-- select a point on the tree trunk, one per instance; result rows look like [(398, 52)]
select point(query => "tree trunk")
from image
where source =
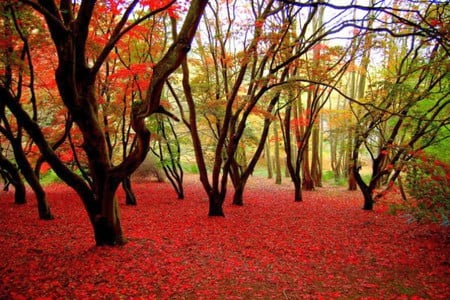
[(13, 177), (368, 198), (308, 182), (366, 189), (297, 189), (130, 198), (268, 161), (239, 193), (107, 227), (316, 164), (33, 181), (352, 184), (215, 204), (276, 159)]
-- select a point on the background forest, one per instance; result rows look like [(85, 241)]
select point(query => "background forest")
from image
[(310, 92)]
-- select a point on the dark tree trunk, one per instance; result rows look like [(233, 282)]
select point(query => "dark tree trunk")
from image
[(130, 198), (215, 209), (238, 183), (297, 189), (215, 204), (33, 181), (366, 189), (239, 193), (106, 223), (368, 198), (11, 174)]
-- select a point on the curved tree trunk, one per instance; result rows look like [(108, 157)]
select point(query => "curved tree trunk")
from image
[(130, 198), (13, 177), (33, 181), (366, 189)]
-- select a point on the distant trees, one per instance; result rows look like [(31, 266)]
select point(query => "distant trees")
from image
[(404, 110)]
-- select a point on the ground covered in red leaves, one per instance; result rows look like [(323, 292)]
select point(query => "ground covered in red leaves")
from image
[(271, 248)]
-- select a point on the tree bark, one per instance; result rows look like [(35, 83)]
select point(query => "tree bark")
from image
[(130, 198), (316, 166), (27, 171), (13, 176), (216, 200), (276, 159), (268, 161), (238, 196)]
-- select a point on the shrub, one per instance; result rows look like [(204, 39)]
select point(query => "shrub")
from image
[(428, 185)]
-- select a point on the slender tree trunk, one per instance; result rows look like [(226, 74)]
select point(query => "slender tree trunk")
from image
[(297, 189), (130, 198), (238, 183), (27, 171), (351, 167), (13, 176), (268, 161), (316, 173), (276, 159)]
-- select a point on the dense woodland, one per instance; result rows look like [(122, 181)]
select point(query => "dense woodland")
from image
[(298, 89)]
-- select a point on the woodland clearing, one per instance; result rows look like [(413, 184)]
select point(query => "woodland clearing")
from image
[(325, 247)]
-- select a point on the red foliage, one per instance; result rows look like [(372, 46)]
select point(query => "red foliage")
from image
[(272, 248)]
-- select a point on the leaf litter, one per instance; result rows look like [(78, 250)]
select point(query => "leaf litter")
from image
[(325, 247)]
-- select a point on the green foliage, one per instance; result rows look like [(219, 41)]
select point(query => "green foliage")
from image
[(428, 184), (330, 178), (49, 177), (190, 167), (440, 150)]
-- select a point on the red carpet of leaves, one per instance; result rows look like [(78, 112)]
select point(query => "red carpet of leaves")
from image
[(271, 248)]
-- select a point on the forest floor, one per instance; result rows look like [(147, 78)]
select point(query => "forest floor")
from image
[(326, 247)]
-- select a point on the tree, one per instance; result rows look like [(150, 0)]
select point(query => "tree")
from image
[(409, 108), (167, 148), (17, 33), (76, 74), (235, 84), (313, 82)]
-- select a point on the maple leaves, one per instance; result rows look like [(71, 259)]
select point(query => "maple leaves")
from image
[(325, 247)]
